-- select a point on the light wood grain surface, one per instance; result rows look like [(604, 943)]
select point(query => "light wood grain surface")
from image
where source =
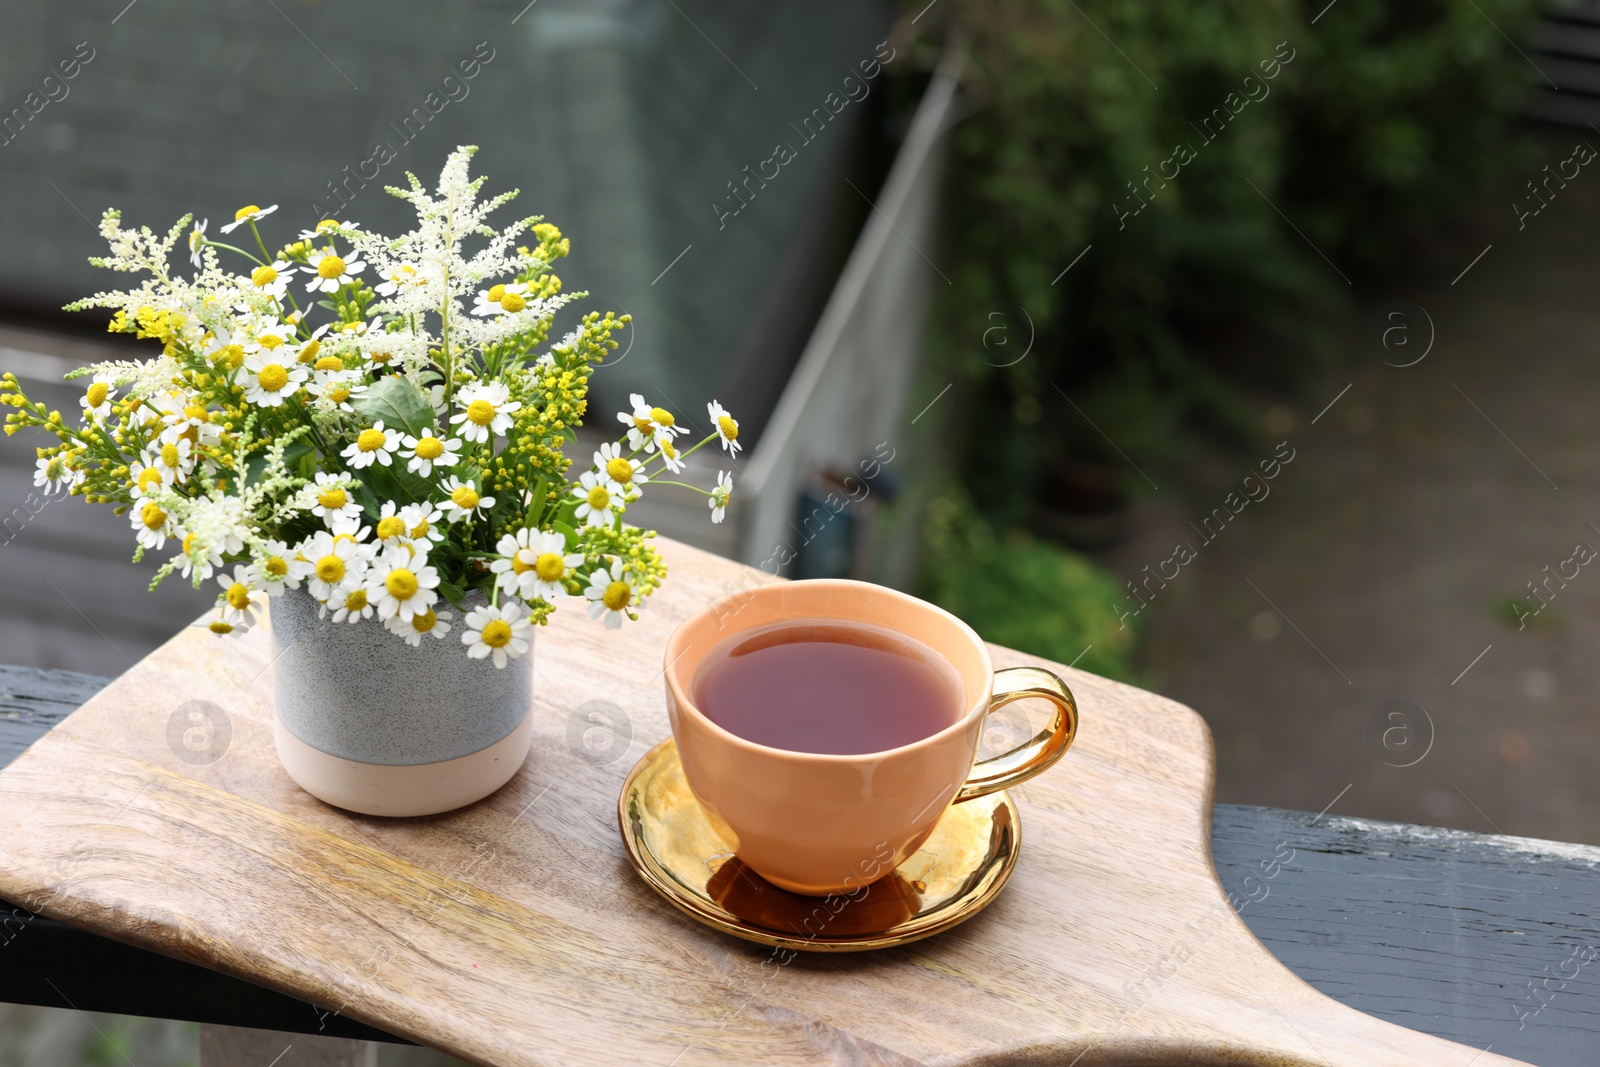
[(514, 932)]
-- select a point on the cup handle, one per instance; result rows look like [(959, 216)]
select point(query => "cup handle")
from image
[(1039, 752)]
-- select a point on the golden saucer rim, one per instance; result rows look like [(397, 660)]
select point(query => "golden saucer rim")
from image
[(691, 905)]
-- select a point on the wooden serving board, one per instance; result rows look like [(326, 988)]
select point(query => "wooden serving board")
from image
[(514, 932)]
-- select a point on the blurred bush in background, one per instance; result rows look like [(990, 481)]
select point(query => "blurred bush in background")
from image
[(1169, 155)]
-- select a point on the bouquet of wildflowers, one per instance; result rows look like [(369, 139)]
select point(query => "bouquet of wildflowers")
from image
[(390, 458)]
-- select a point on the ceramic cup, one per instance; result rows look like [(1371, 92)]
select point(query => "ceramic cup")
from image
[(822, 824)]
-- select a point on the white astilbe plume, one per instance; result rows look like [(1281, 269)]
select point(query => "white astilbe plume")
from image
[(446, 218)]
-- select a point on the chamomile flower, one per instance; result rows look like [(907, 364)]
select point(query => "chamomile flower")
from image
[(613, 595), (55, 472), (152, 524), (329, 497), (502, 633), (404, 276), (597, 501), (196, 559), (144, 478), (720, 495), (538, 564), (399, 585), (96, 400), (247, 215), (189, 419), (648, 426), (329, 271), (267, 381), (274, 568), (420, 624), (174, 459), (272, 278), (727, 427), (222, 627), (391, 528), (422, 523), (486, 410), (641, 430), (197, 240), (336, 563), (669, 456), (372, 445), (241, 596), (501, 300), (334, 388), (622, 475), (326, 226), (464, 501), (350, 603), (427, 452)]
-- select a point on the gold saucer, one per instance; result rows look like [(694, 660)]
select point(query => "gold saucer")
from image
[(953, 876)]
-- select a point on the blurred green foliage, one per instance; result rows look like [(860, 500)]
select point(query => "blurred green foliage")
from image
[(1383, 119), (1023, 592)]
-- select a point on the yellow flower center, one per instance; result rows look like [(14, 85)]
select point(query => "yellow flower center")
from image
[(330, 569), (188, 543), (329, 363), (667, 449), (327, 224), (238, 596), (308, 352), (513, 302), (153, 517), (345, 537), (149, 478), (270, 341), (232, 355), (481, 412), (331, 267), (729, 428), (196, 413), (616, 596), (263, 276), (465, 497), (661, 417), (497, 634), (401, 584), (333, 499), (620, 469), (248, 209), (169, 456), (518, 564), (421, 528), (356, 600), (382, 357), (393, 526), (550, 566), (496, 293), (642, 425), (599, 499), (371, 440), (423, 621), (220, 627), (338, 393), (430, 448), (276, 567), (97, 394), (273, 377)]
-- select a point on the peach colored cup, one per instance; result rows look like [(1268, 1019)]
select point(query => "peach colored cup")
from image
[(820, 824)]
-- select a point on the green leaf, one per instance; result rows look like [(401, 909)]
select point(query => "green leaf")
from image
[(396, 483), (452, 593), (398, 403)]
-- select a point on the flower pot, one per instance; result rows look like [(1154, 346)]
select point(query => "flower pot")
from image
[(368, 723)]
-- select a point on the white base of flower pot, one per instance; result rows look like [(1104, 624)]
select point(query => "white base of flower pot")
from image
[(420, 789)]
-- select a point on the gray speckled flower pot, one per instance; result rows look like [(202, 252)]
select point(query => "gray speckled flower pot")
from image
[(370, 724)]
